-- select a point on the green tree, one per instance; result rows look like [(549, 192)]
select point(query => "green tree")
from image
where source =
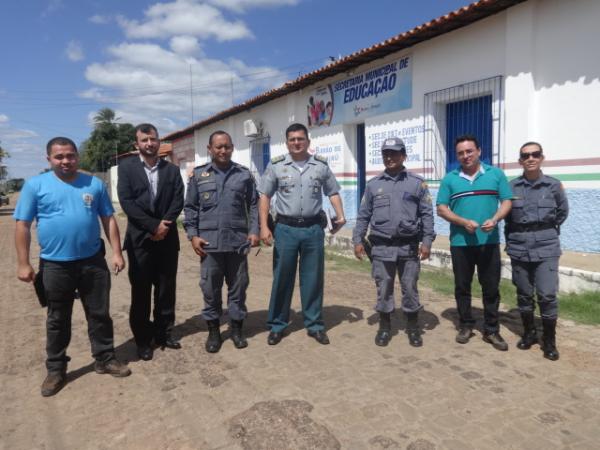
[(3, 170), (107, 140)]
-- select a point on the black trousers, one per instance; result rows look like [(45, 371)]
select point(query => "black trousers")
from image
[(152, 266), (91, 278), (487, 260)]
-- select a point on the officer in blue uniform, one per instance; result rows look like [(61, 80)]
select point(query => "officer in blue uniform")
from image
[(397, 207), (300, 180), (539, 208), (221, 220)]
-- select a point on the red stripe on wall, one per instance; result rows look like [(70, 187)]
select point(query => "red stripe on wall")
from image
[(558, 163)]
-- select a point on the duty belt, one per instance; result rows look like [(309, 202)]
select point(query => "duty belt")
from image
[(521, 228), (300, 222), (395, 241)]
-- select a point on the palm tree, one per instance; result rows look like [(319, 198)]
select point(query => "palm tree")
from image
[(105, 116)]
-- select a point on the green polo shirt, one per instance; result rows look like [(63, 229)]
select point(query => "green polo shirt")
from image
[(475, 200)]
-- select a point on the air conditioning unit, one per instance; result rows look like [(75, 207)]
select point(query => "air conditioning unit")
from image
[(251, 128)]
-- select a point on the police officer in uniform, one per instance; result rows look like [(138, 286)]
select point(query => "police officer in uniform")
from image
[(300, 180), (397, 207), (539, 208), (221, 220)]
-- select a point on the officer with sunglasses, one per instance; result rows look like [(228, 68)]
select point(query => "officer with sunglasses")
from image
[(532, 231)]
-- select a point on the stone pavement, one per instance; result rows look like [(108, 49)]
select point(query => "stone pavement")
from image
[(298, 394)]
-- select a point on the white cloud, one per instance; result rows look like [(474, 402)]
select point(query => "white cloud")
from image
[(149, 83), (244, 5), (52, 7), (74, 51), (185, 45), (184, 17), (99, 19), (27, 156)]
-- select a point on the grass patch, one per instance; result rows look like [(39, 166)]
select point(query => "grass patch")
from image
[(582, 308)]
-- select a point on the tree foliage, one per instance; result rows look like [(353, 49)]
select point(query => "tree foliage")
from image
[(3, 170), (107, 140)]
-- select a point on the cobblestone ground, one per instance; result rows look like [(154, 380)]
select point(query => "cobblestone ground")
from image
[(298, 394)]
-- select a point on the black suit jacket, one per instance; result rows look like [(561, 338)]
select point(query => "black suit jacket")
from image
[(134, 195)]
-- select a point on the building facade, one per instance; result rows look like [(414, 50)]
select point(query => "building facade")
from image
[(506, 71)]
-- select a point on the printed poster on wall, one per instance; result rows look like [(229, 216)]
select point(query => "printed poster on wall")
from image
[(381, 90)]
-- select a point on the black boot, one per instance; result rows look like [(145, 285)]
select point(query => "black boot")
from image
[(530, 336), (412, 329), (385, 330), (236, 334), (213, 343), (549, 339)]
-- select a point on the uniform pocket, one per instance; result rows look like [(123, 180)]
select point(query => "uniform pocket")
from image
[(547, 210), (381, 209), (207, 194)]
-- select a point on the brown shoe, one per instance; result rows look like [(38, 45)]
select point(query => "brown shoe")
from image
[(464, 334), (496, 340), (53, 383), (112, 367)]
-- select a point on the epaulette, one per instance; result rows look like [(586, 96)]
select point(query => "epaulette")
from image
[(321, 158), (276, 159), (240, 166), (414, 175)]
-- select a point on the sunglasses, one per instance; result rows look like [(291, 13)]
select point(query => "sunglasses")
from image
[(535, 155)]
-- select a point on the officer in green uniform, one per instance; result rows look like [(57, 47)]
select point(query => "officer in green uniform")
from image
[(539, 208), (299, 180)]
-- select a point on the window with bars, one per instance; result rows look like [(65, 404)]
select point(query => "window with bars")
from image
[(470, 108), (260, 154)]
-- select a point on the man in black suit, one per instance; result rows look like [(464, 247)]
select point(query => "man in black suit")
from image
[(151, 194)]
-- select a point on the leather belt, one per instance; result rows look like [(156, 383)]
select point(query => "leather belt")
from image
[(521, 228), (300, 222)]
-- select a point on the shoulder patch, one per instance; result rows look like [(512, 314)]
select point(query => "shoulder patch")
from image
[(321, 158), (277, 159)]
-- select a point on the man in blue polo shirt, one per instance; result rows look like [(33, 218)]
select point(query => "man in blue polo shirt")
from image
[(468, 198), (66, 205)]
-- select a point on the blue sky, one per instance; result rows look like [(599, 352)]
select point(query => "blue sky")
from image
[(63, 60)]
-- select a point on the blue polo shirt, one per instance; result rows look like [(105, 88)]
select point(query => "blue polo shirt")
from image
[(475, 200), (68, 228)]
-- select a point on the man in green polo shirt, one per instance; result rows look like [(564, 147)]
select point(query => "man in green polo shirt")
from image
[(474, 198)]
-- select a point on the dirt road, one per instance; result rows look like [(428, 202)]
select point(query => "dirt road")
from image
[(298, 394)]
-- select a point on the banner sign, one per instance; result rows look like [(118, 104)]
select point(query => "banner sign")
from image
[(384, 89)]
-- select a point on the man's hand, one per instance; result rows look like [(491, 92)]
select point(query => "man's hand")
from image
[(359, 251), (338, 223), (254, 240), (424, 252), (471, 226), (25, 273), (118, 262), (266, 236), (198, 245), (161, 231), (489, 225)]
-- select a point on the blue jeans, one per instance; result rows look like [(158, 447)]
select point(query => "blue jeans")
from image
[(91, 278)]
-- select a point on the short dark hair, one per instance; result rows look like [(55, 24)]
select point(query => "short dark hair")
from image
[(59, 140), (218, 133), (296, 127), (145, 128), (466, 137), (526, 144)]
